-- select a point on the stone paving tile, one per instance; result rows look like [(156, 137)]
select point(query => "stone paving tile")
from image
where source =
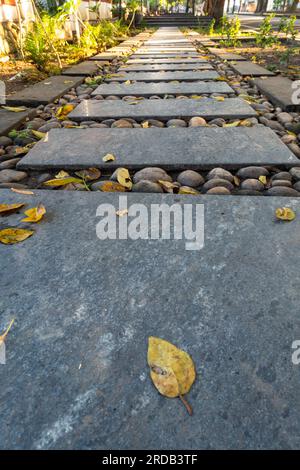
[(79, 352), (246, 68), (45, 91), (162, 67), (224, 55), (180, 148), (162, 109), (10, 120), (167, 61), (86, 68), (280, 91), (163, 76), (162, 88)]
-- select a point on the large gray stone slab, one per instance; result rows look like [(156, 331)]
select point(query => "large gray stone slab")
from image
[(172, 148), (162, 109), (105, 56), (84, 309), (167, 61), (170, 55), (224, 55), (86, 68), (245, 68), (163, 76), (165, 67), (161, 88), (280, 92), (11, 120), (45, 91)]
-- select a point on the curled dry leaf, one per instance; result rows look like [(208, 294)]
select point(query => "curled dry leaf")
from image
[(26, 192), (145, 125), (6, 209), (232, 124), (188, 190), (3, 336), (236, 180), (121, 213), (9, 236), (14, 109), (168, 186), (63, 111), (62, 174), (171, 369), (35, 214), (123, 178), (38, 135), (109, 157), (90, 174), (219, 98), (285, 213)]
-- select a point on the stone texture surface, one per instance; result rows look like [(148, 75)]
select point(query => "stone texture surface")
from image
[(161, 67), (162, 109), (161, 88), (77, 353), (186, 60), (249, 68), (45, 91), (169, 55), (86, 68), (279, 90), (163, 76), (169, 148), (224, 55), (10, 120)]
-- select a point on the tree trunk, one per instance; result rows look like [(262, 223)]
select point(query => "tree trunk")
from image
[(293, 6), (261, 6), (215, 8), (187, 6)]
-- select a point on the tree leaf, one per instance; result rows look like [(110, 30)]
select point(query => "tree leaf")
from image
[(6, 209), (168, 186), (285, 213), (39, 135), (35, 214), (62, 181), (22, 191), (232, 124), (171, 369), (89, 174), (9, 236), (64, 110), (263, 179), (14, 109), (123, 178), (188, 190), (219, 98), (112, 187), (145, 125), (109, 157)]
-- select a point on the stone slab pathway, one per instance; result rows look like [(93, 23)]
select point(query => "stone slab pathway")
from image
[(162, 89), (246, 68), (44, 92), (163, 76), (161, 67), (281, 92), (171, 148), (86, 68), (171, 61), (224, 55), (86, 360), (11, 120), (162, 109)]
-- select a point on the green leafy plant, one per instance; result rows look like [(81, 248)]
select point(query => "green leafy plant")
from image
[(287, 26), (211, 28), (266, 36), (230, 29)]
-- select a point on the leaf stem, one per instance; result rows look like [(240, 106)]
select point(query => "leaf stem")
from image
[(187, 405), (2, 337)]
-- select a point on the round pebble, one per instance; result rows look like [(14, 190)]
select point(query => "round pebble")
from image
[(282, 191), (122, 123), (221, 190), (220, 173), (176, 123), (197, 121), (151, 174), (145, 186), (190, 178), (215, 182), (252, 172), (252, 184)]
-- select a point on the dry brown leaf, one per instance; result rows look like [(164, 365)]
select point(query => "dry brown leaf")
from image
[(14, 109), (109, 157), (123, 178), (112, 187), (11, 235), (6, 209), (35, 214), (89, 174), (263, 179), (285, 213), (171, 369), (62, 181), (188, 190), (121, 213), (22, 191)]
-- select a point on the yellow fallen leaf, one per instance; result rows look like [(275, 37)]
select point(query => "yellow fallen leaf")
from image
[(62, 181), (3, 336), (219, 98), (64, 110), (109, 157), (196, 97), (62, 174), (6, 209), (21, 150), (236, 180), (232, 124), (171, 369), (246, 123), (145, 125), (285, 213), (127, 82), (35, 214), (39, 135), (168, 186), (133, 102), (123, 178), (188, 190), (22, 191), (89, 174), (263, 179), (9, 236), (13, 109)]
